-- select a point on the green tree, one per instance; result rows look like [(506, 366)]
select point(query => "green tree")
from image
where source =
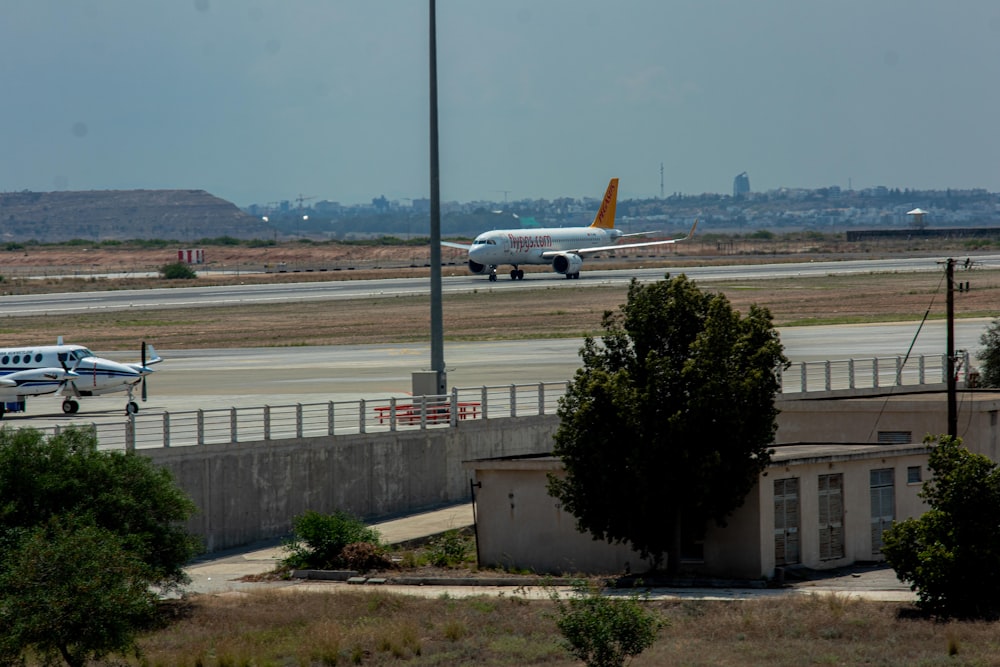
[(66, 475), (84, 535), (605, 632), (951, 554), (668, 422), (72, 590), (177, 271), (990, 355)]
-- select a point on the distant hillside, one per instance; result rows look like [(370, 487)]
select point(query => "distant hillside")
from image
[(103, 215)]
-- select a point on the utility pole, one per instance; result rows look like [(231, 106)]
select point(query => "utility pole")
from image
[(950, 351)]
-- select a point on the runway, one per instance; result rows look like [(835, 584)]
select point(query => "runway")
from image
[(223, 378), (229, 295)]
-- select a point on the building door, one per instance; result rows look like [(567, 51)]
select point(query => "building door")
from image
[(883, 505), (786, 521), (831, 516)]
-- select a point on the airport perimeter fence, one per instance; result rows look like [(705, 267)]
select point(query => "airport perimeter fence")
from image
[(304, 420)]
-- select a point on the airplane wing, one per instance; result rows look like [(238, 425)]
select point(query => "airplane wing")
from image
[(460, 246), (606, 248)]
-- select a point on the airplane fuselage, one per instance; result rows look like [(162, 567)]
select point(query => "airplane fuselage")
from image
[(33, 371), (535, 246)]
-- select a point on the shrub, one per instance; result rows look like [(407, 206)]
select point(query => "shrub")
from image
[(177, 271), (364, 557), (605, 632), (951, 554), (449, 549), (318, 539)]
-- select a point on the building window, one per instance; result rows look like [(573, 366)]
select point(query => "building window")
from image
[(914, 475), (883, 504), (786, 521), (895, 437), (831, 516)]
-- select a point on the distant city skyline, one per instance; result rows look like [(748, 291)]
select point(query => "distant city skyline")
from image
[(259, 101)]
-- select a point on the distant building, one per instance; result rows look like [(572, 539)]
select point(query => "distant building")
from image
[(741, 185)]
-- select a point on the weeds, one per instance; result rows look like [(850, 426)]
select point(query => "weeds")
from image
[(450, 549), (374, 627)]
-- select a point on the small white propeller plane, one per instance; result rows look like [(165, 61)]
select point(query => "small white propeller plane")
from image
[(72, 371), (562, 247)]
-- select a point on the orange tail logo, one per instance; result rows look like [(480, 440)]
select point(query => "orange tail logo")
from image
[(606, 214)]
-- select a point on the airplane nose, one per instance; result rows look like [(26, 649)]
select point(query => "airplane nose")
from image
[(477, 253)]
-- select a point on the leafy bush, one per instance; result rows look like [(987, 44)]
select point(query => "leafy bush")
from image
[(177, 271), (449, 549), (318, 539), (72, 590), (219, 240), (603, 631), (951, 554)]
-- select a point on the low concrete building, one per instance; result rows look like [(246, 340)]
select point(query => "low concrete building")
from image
[(892, 418), (845, 467), (821, 506)]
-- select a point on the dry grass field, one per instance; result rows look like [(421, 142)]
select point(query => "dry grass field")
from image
[(374, 628)]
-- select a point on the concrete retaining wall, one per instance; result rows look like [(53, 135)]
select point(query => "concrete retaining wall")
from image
[(247, 492)]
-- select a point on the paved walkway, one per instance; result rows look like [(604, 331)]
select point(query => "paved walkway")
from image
[(222, 573)]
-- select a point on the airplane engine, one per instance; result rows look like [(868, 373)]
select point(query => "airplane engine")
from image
[(567, 264), (39, 375), (478, 268)]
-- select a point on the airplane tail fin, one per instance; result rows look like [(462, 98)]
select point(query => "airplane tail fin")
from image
[(606, 214)]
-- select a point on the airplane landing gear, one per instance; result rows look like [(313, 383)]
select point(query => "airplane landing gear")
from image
[(493, 274), (131, 407), (517, 274), (70, 407)]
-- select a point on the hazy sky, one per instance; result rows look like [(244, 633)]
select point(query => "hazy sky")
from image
[(263, 100)]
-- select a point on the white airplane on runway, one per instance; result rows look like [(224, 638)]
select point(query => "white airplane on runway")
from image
[(71, 370), (562, 247)]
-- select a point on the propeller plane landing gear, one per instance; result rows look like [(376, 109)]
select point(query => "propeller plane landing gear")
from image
[(70, 407), (131, 407)]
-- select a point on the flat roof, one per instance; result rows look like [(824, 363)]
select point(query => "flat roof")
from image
[(790, 454)]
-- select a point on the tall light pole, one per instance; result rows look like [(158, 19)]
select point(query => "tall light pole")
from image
[(950, 351), (438, 375)]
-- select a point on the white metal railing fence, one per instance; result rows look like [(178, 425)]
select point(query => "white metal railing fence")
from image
[(302, 420), (870, 373)]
